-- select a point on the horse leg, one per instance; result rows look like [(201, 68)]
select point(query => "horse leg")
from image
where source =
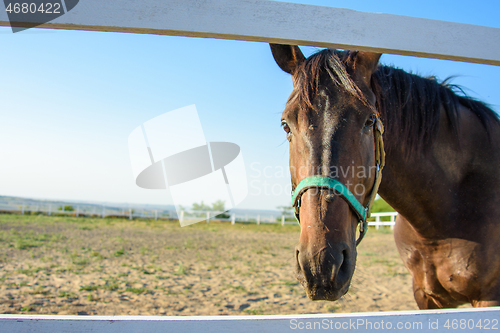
[(423, 300), (426, 301)]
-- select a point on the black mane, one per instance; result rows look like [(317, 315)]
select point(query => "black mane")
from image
[(411, 106)]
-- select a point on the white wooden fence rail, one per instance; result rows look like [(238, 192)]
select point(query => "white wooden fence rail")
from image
[(281, 22), (457, 320)]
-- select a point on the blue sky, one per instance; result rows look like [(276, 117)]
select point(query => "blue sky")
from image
[(70, 99)]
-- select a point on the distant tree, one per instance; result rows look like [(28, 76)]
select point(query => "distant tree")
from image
[(380, 206), (67, 208), (219, 205), (285, 210), (201, 206)]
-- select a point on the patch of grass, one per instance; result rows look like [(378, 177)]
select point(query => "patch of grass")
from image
[(97, 255), (253, 311), (85, 227), (137, 290), (333, 308), (119, 253), (189, 244), (90, 287), (40, 290), (382, 230), (111, 286), (30, 271), (66, 294), (22, 244), (120, 239), (290, 283), (79, 260), (30, 239), (181, 270), (239, 288)]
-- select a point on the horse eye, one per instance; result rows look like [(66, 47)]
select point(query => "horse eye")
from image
[(371, 121), (286, 128)]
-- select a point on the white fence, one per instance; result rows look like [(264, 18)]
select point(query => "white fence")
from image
[(456, 320), (378, 220), (381, 219), (286, 23)]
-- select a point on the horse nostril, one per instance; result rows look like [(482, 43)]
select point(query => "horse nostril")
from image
[(344, 266), (297, 255)]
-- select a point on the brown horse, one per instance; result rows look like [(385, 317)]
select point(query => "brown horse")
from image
[(442, 175)]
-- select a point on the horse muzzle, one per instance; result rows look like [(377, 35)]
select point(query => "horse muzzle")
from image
[(325, 274)]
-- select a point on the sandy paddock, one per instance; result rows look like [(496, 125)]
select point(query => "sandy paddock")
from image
[(62, 265)]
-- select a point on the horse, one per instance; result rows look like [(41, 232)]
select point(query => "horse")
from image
[(348, 115)]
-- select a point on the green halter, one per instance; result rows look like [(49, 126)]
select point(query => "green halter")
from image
[(341, 190)]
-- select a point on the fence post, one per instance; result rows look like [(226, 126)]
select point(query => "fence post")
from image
[(377, 220), (282, 220), (208, 217), (393, 219), (233, 219), (258, 219), (156, 215)]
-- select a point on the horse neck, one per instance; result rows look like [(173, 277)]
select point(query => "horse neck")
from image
[(440, 188), (413, 188)]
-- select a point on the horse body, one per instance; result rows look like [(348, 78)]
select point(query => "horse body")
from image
[(441, 175), (448, 228)]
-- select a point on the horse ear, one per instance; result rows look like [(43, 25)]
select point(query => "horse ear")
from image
[(288, 57), (366, 64)]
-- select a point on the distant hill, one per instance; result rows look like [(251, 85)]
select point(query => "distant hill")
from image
[(89, 205)]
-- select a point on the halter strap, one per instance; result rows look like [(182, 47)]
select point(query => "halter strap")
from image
[(326, 182), (341, 190)]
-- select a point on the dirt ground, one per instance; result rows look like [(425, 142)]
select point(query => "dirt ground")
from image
[(85, 266)]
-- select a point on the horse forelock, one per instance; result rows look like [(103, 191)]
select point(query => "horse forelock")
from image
[(308, 76)]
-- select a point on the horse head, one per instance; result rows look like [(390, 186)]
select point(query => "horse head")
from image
[(331, 123)]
